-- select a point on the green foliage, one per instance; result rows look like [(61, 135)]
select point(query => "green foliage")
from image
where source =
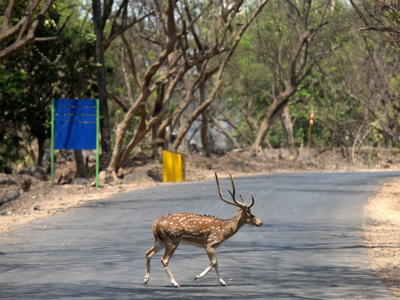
[(41, 72), (64, 69), (395, 16), (12, 115), (254, 75)]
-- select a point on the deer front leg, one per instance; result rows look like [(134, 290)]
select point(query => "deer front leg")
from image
[(204, 273), (169, 251), (214, 263), (158, 245)]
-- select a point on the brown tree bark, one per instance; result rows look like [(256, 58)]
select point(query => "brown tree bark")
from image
[(101, 86), (225, 132), (204, 123), (217, 81), (80, 164), (249, 120), (41, 139), (148, 86), (373, 110), (24, 24), (204, 134), (253, 125), (232, 123), (288, 126), (191, 137), (339, 136), (156, 110), (290, 74), (188, 98), (177, 67), (118, 158), (274, 110)]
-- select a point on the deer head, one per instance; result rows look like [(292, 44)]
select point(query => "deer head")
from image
[(247, 216)]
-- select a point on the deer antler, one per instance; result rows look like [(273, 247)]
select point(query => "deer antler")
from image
[(252, 200), (235, 202)]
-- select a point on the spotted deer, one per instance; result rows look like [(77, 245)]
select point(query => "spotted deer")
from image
[(198, 230)]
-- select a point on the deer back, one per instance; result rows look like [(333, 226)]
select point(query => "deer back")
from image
[(199, 229)]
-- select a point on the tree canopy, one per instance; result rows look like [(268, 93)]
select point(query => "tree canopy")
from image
[(173, 69)]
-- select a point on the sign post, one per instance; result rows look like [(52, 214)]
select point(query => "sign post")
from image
[(309, 128), (75, 125), (173, 166)]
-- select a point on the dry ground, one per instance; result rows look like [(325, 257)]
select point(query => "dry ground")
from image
[(382, 234), (382, 226)]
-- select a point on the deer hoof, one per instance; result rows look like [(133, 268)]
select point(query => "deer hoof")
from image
[(222, 282), (196, 277), (146, 279), (176, 285)]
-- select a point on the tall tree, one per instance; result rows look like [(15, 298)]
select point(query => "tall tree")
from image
[(174, 55), (101, 86), (233, 41), (290, 54)]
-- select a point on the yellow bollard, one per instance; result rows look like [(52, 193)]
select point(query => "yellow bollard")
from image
[(173, 166)]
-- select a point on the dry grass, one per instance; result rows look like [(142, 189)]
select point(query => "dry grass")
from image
[(382, 234)]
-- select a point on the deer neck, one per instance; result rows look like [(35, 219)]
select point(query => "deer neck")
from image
[(233, 225)]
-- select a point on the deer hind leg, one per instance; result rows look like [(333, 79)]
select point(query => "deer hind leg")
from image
[(214, 263), (158, 245), (169, 251)]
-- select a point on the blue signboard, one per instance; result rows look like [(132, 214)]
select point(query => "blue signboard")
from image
[(75, 125)]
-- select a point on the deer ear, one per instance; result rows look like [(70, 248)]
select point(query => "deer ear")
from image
[(241, 209)]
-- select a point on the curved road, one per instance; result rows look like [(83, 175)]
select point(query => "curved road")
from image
[(310, 246)]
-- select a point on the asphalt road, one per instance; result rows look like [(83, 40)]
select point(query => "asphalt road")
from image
[(310, 246)]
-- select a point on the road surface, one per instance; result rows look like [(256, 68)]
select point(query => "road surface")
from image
[(310, 246)]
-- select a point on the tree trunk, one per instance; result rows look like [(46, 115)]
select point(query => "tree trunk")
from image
[(341, 139), (41, 138), (204, 123), (288, 126), (266, 140), (274, 110), (193, 116), (253, 126), (225, 132), (204, 134), (101, 85), (187, 100), (191, 137), (217, 81), (388, 140), (80, 164), (156, 142), (232, 123), (250, 121)]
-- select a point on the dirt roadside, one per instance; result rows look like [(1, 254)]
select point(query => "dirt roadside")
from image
[(382, 234)]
